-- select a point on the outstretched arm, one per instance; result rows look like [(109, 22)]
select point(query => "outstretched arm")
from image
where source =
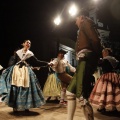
[(33, 61)]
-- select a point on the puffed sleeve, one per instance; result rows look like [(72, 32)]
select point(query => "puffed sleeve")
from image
[(72, 69), (54, 64)]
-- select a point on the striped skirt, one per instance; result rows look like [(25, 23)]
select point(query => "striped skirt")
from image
[(106, 92)]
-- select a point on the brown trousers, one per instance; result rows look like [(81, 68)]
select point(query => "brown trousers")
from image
[(65, 79)]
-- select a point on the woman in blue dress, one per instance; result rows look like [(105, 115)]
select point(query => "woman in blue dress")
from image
[(19, 86)]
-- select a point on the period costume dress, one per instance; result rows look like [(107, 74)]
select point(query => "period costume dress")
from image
[(62, 70), (19, 86), (52, 87), (106, 92)]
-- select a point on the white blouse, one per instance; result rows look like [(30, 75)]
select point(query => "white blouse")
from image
[(59, 65)]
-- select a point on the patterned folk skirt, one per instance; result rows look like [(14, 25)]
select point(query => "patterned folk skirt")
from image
[(106, 92), (20, 97), (52, 87)]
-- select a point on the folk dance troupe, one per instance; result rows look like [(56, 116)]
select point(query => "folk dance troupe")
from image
[(19, 86), (21, 90)]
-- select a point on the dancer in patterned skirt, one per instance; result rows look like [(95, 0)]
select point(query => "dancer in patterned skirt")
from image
[(106, 93), (19, 86)]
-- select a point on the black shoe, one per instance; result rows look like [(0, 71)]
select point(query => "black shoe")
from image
[(101, 110), (48, 99), (15, 110), (26, 110)]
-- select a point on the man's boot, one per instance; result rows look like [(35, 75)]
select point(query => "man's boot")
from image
[(88, 111)]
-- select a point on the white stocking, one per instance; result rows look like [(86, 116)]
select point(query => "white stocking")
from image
[(71, 105), (63, 93)]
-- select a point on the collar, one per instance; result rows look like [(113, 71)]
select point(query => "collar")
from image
[(23, 56)]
